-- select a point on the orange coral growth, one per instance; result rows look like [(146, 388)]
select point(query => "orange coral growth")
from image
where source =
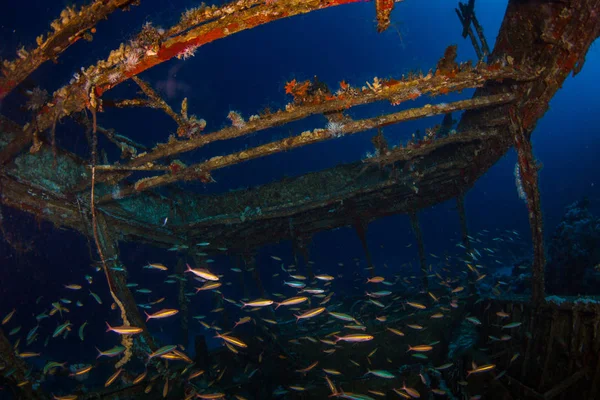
[(302, 89), (389, 82), (289, 86), (297, 89)]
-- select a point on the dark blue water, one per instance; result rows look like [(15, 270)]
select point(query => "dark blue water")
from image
[(247, 73)]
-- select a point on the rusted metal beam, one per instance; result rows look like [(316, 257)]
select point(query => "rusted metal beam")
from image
[(396, 90), (564, 385), (349, 181), (69, 28), (383, 9), (566, 34), (117, 282), (484, 45), (469, 32), (529, 392), (16, 145), (466, 15), (150, 48), (529, 178), (321, 200), (202, 171), (64, 212)]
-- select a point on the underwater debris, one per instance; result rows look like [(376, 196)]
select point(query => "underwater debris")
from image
[(394, 89), (71, 26), (466, 16), (307, 92), (353, 187), (202, 171), (219, 22), (383, 9), (187, 126), (528, 172)]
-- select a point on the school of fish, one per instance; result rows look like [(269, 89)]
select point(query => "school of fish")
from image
[(344, 342)]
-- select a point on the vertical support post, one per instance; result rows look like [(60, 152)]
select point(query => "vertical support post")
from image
[(108, 250), (554, 322), (414, 222), (534, 321), (466, 15), (471, 34), (361, 230), (528, 172), (460, 205), (383, 9), (183, 302), (484, 45), (117, 282)]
